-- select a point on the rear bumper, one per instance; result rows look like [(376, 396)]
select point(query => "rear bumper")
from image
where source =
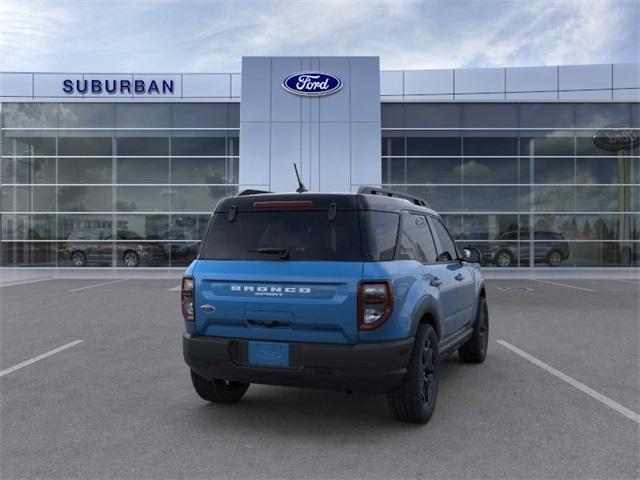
[(371, 367)]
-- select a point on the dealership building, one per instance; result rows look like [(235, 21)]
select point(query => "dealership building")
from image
[(535, 166)]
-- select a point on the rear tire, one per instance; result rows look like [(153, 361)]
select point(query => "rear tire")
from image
[(475, 350), (503, 258), (218, 391), (554, 259), (78, 259), (415, 400)]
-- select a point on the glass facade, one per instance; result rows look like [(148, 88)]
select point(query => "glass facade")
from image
[(133, 184), (524, 183), (112, 184)]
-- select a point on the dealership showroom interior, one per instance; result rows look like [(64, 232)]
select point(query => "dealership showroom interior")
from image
[(348, 239)]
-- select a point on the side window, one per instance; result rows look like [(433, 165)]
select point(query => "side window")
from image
[(384, 232), (447, 251), (416, 242)]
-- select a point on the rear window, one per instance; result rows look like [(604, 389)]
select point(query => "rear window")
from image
[(305, 235)]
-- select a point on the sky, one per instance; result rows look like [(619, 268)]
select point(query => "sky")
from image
[(211, 36)]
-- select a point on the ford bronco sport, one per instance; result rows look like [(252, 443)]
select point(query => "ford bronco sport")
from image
[(357, 292)]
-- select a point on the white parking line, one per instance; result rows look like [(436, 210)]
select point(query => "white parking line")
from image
[(39, 357), (632, 282), (575, 383), (97, 285), (25, 282), (564, 285), (174, 289)]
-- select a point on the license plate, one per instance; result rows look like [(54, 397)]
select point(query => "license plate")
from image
[(269, 354)]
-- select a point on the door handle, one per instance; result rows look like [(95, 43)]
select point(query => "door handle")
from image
[(436, 282), (459, 277)]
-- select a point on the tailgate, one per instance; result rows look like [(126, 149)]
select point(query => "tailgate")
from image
[(297, 301)]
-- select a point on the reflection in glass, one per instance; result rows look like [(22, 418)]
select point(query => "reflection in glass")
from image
[(144, 199), (25, 198), (84, 146), (198, 199), (143, 170), (28, 227), (84, 170), (84, 199), (553, 170), (433, 170), (201, 170), (490, 170), (70, 225)]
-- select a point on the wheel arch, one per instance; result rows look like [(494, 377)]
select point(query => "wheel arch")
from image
[(428, 314)]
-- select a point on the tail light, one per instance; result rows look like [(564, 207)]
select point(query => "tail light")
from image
[(186, 299), (375, 304)]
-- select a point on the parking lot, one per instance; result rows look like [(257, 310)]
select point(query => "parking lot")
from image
[(558, 396)]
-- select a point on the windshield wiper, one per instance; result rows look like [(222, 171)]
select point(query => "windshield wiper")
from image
[(282, 252)]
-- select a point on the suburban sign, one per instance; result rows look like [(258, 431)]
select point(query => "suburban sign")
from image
[(616, 138), (312, 84), (121, 86)]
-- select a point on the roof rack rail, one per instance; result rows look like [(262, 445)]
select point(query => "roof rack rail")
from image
[(251, 191), (391, 193)]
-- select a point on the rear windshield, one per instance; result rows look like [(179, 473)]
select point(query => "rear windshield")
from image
[(304, 235)]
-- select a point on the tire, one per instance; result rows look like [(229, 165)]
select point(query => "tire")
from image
[(130, 259), (218, 391), (475, 350), (503, 258), (78, 259), (415, 400), (554, 259)]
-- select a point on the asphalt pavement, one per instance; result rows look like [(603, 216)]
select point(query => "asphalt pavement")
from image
[(114, 399)]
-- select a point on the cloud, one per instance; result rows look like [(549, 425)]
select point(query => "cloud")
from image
[(195, 35)]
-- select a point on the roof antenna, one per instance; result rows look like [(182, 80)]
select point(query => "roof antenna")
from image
[(301, 188)]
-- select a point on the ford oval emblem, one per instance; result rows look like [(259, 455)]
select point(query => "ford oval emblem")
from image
[(312, 84)]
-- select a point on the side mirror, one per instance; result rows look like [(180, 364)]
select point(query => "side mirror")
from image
[(472, 255)]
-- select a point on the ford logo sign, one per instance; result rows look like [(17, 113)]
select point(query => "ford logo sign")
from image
[(617, 137), (312, 84)]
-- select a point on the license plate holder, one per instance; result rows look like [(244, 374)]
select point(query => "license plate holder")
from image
[(269, 354)]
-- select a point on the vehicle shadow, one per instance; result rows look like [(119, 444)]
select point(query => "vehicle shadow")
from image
[(301, 412)]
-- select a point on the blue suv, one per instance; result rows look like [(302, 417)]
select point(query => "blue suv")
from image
[(357, 292)]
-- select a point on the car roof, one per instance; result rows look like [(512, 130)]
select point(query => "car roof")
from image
[(321, 201)]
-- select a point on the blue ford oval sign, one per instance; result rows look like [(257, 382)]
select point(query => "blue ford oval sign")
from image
[(312, 84)]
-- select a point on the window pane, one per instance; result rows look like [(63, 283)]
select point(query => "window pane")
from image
[(392, 115), (393, 170), (27, 199), (490, 170), (548, 146), (434, 146), (29, 254), (489, 227), (425, 115), (447, 247), (32, 146), (30, 115), (144, 199), (490, 115), (188, 227), (85, 115), (28, 227), (602, 199), (442, 199), (392, 146), (550, 199), (553, 170), (434, 170), (198, 146), (84, 226), (84, 170), (143, 170), (489, 146), (200, 170), (28, 170), (599, 115), (495, 199), (545, 115), (200, 115), (147, 227), (198, 199), (143, 115), (85, 146), (603, 170), (143, 146), (383, 227), (84, 199)]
